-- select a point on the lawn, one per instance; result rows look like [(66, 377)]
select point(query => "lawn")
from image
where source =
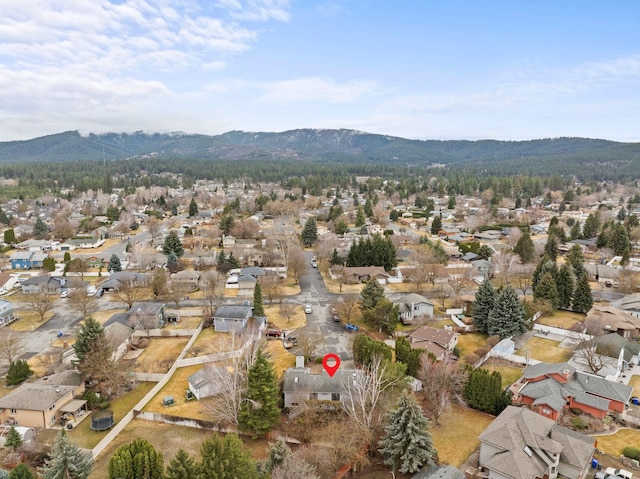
[(210, 341), (275, 317), (103, 316), (545, 350), (634, 382), (167, 439), (279, 357), (158, 355), (334, 287), (86, 438), (455, 437), (614, 443), (29, 320), (468, 343), (510, 374), (561, 319)]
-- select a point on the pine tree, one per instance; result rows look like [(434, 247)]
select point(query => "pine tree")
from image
[(525, 248), (40, 229), (21, 471), (258, 309), (67, 257), (336, 259), (49, 263), (576, 259), (368, 208), (309, 232), (225, 458), (507, 316), (4, 219), (384, 315), (365, 349), (485, 252), (582, 297), (114, 264), (371, 293), (591, 226), (436, 224), (545, 265), (551, 248), (407, 445), (565, 285), (136, 459), (91, 332), (182, 466), (67, 461), (172, 262), (10, 236), (259, 411), (484, 391), (360, 218), (547, 290), (485, 300), (14, 439), (172, 243), (193, 207), (575, 231), (278, 452), (407, 355), (19, 371), (4, 474)]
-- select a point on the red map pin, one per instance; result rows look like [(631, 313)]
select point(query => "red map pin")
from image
[(331, 368)]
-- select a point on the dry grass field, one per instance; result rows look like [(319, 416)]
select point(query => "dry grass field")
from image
[(168, 439), (468, 343), (275, 317), (510, 374), (158, 355), (634, 382), (209, 342), (455, 437), (29, 320), (545, 350), (561, 319), (279, 356), (614, 443)]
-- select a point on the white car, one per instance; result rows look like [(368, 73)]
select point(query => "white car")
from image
[(64, 294), (314, 263), (307, 309)]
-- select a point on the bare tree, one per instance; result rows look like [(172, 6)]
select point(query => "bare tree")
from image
[(40, 303), (128, 293), (231, 377), (288, 310), (10, 344), (366, 394), (141, 257), (212, 285), (457, 282), (347, 306), (294, 467), (270, 285), (81, 302), (425, 270), (49, 362), (176, 292), (524, 280), (444, 382), (308, 344), (505, 262), (589, 352), (153, 226), (99, 366), (297, 265)]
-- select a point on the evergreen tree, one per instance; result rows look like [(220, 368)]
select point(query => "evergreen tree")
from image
[(336, 259), (309, 232), (113, 213), (40, 229), (620, 243), (226, 223), (368, 208), (591, 226), (551, 248), (507, 316), (575, 231), (485, 300), (14, 439), (10, 236), (172, 243), (278, 452), (341, 227), (360, 217), (182, 466), (407, 445), (258, 309), (91, 333), (193, 208), (114, 264), (259, 411), (371, 293), (484, 391), (409, 356), (545, 265), (49, 263), (19, 371), (582, 297), (436, 224), (365, 349), (4, 219), (67, 257), (172, 262), (224, 458), (384, 315), (565, 285), (394, 215), (4, 474), (525, 247), (136, 459), (576, 259), (452, 202), (67, 461), (21, 471), (547, 290), (485, 252)]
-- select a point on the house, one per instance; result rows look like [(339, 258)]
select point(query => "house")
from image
[(362, 274), (119, 336), (300, 386), (629, 303), (203, 384), (147, 315), (231, 318), (246, 282), (21, 260), (42, 403), (46, 284), (412, 306), (121, 279), (550, 388), (519, 444), (438, 342), (602, 273), (7, 310), (188, 280), (609, 319)]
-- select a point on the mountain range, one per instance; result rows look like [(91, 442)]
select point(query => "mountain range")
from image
[(510, 157)]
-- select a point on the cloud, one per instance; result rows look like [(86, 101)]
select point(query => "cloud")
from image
[(257, 10), (317, 89)]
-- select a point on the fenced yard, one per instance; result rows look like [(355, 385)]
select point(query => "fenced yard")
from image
[(468, 343), (545, 350), (158, 355), (510, 374), (561, 319)]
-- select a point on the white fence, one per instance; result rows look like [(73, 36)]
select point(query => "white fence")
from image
[(549, 330)]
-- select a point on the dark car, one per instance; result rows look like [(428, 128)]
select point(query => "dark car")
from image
[(273, 333)]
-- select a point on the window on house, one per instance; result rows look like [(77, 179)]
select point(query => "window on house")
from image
[(14, 411), (313, 396), (335, 396)]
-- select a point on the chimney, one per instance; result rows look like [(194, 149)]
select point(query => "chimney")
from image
[(300, 362)]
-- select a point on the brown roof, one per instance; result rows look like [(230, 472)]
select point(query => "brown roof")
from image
[(612, 318), (35, 397)]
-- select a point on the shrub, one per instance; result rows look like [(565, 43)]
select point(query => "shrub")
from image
[(631, 452), (482, 351), (578, 423), (492, 341)]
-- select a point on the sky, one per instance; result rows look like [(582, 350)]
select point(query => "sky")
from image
[(419, 69)]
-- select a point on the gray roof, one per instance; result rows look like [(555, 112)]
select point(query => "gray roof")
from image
[(523, 437), (544, 369), (233, 312), (35, 396), (439, 472), (69, 377), (299, 379), (415, 298)]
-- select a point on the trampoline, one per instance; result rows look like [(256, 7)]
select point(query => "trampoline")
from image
[(102, 420)]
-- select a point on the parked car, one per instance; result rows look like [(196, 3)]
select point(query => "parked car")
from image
[(603, 475), (307, 309), (624, 474), (289, 342), (351, 327), (314, 262), (64, 294), (273, 333)]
